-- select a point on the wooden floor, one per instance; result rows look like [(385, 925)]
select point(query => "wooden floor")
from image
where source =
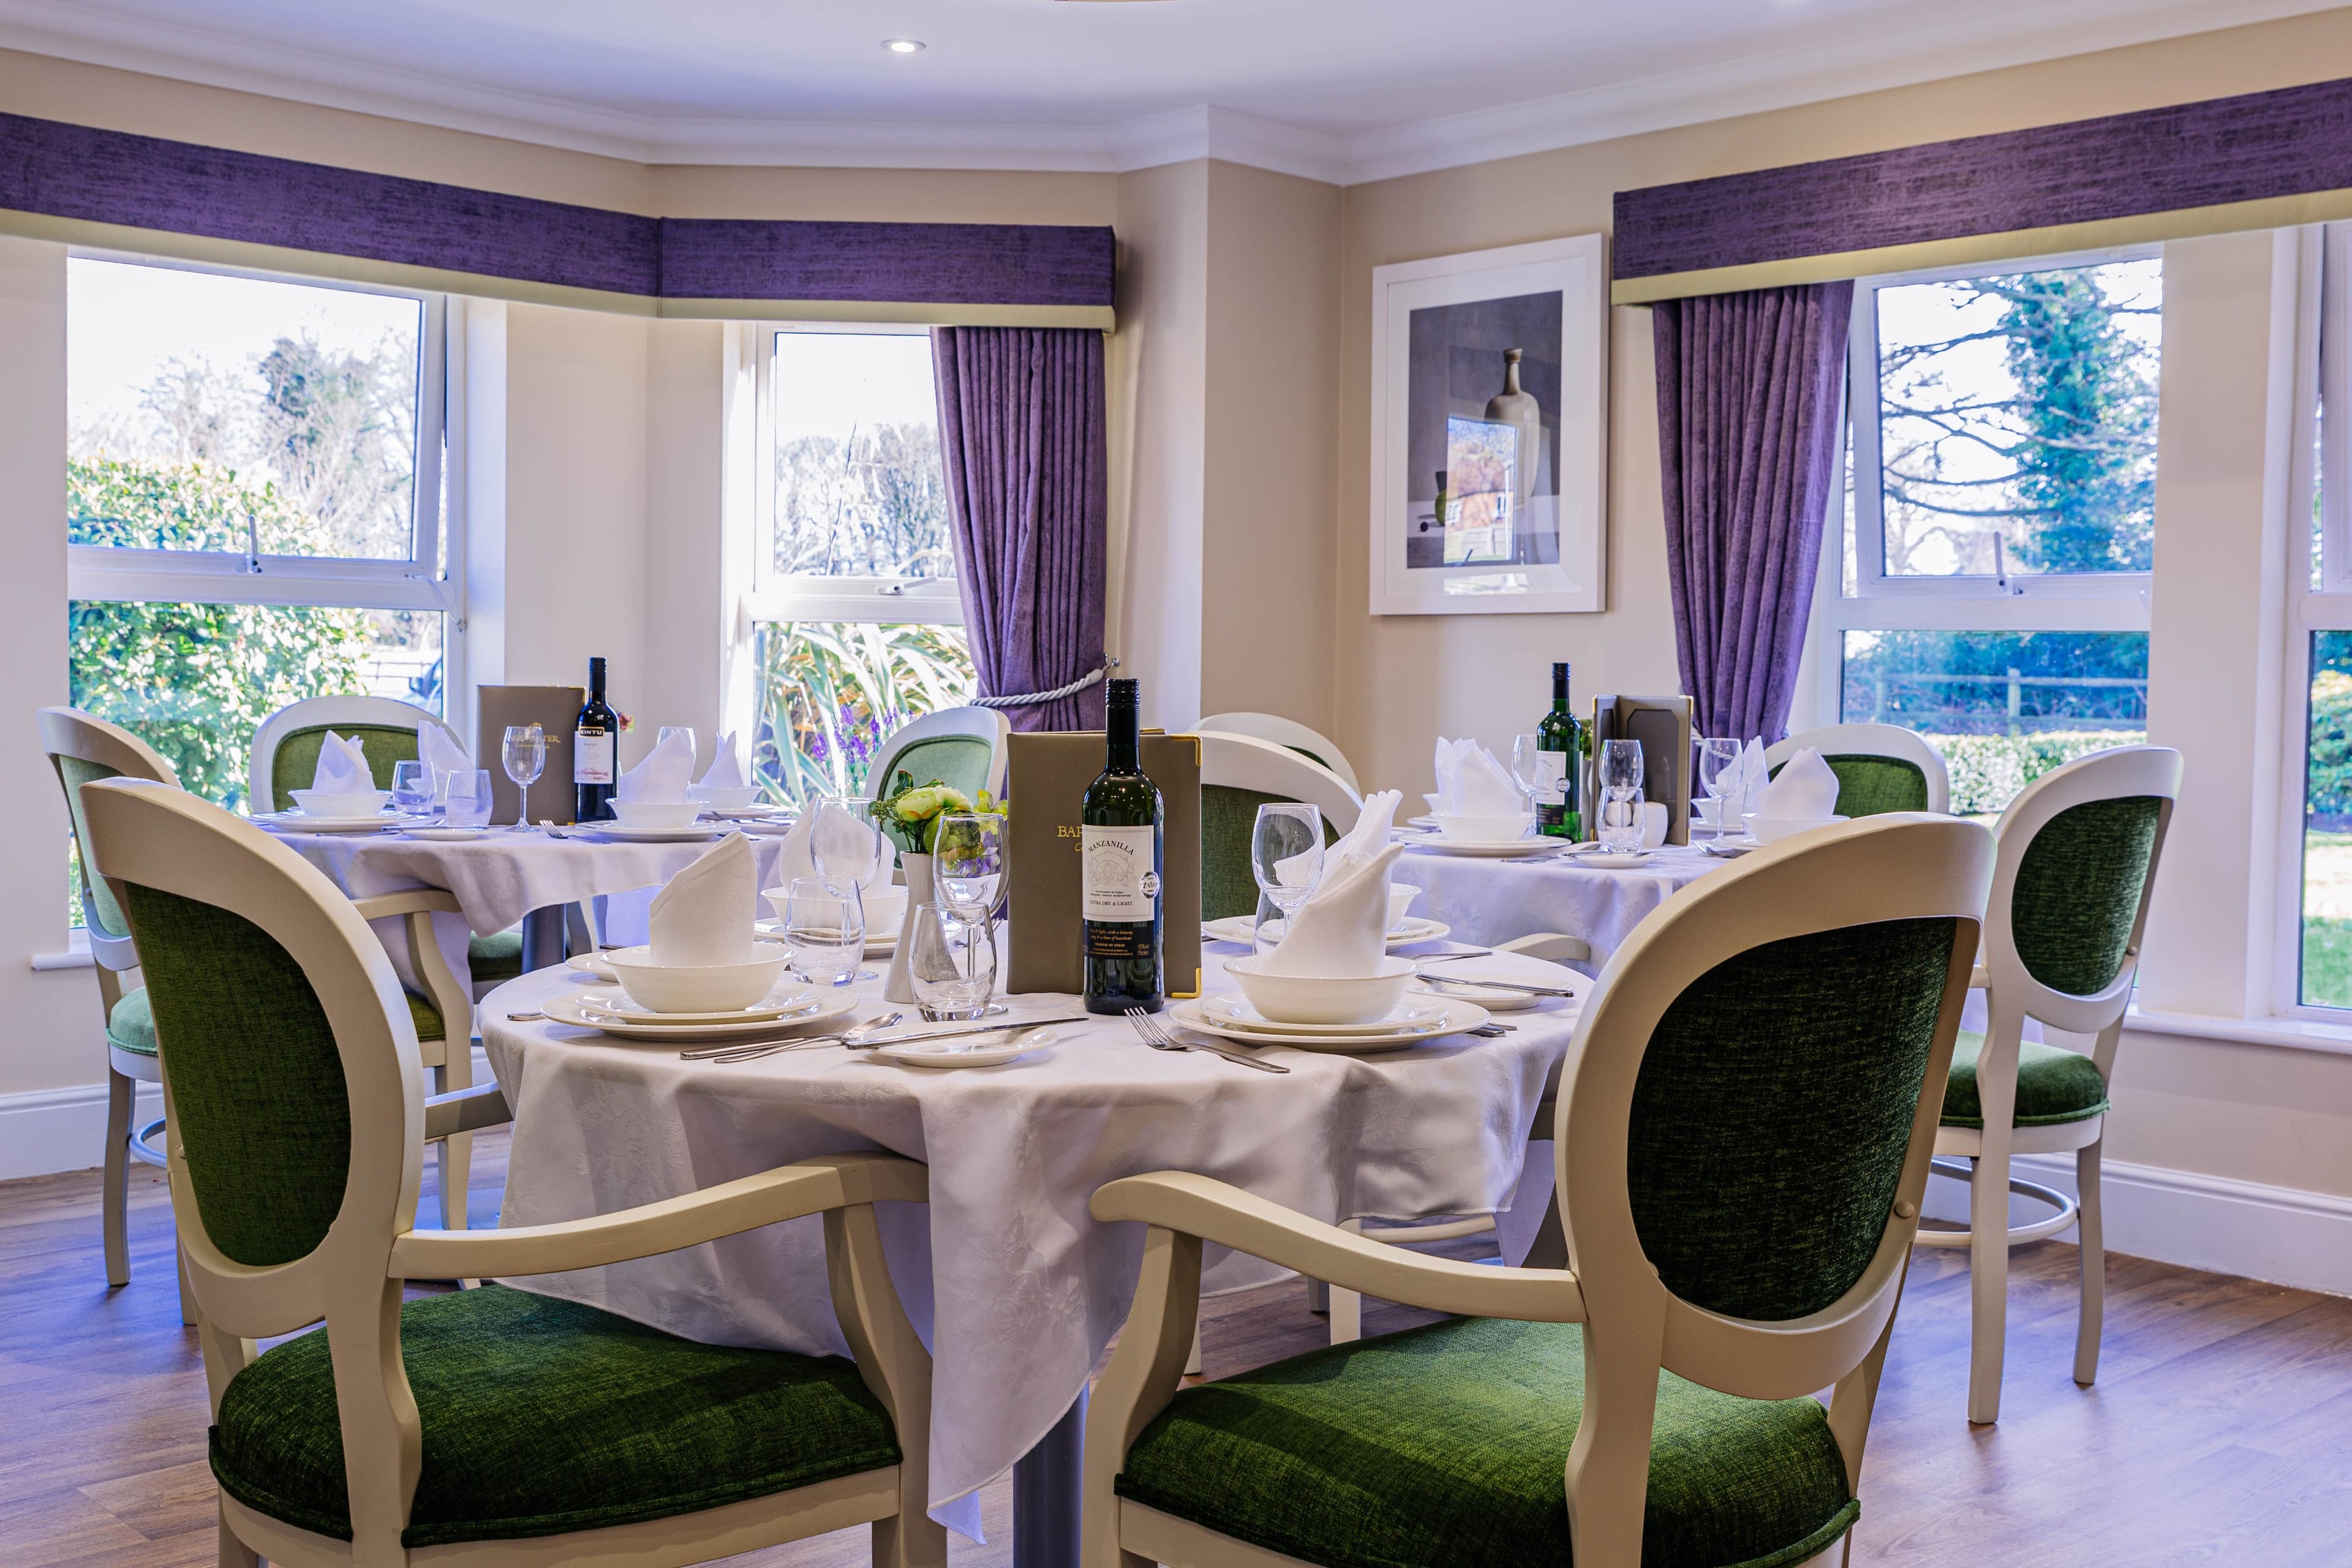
[(2221, 1430)]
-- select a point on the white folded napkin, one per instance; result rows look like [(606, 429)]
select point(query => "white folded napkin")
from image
[(1341, 932), (1751, 776), (704, 915), (1805, 791), (1366, 839), (796, 855), (343, 766), (726, 768), (1471, 783), (663, 776), (441, 756)]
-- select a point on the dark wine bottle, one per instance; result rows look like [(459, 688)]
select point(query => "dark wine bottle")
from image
[(596, 737), (1121, 828), (1560, 749)]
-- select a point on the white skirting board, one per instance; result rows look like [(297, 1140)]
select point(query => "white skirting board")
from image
[(2282, 1234)]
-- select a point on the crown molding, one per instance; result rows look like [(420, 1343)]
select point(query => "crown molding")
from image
[(1753, 84)]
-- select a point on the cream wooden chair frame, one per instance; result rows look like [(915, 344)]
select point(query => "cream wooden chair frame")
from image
[(386, 712), (451, 1058), (1242, 761), (70, 732), (1894, 867), (979, 724), (352, 1280), (1287, 732), (2013, 995), (1874, 740)]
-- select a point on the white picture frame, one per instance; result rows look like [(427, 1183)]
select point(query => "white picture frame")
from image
[(1523, 546)]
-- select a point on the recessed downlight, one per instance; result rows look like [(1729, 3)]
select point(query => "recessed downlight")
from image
[(903, 46)]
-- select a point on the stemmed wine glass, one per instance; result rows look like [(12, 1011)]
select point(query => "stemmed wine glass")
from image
[(1286, 858), (525, 755), (1530, 772), (967, 878), (1718, 764), (1620, 783)]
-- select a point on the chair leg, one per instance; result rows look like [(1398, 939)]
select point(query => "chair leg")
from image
[(115, 1199), (235, 1553), (2094, 1265), (1987, 1284), (1347, 1305), (189, 1315), (1192, 1361)]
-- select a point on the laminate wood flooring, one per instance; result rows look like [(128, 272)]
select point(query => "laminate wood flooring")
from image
[(2220, 1429)]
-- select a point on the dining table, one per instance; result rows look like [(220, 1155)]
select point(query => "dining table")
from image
[(1014, 1287), (1489, 899)]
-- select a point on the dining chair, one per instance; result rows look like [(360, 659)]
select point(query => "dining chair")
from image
[(1311, 744), (492, 1424), (1238, 775), (1879, 767), (960, 746), (285, 757), (2078, 851), (1746, 1116), (84, 749)]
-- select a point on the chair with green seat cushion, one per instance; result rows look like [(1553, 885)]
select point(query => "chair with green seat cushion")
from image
[(494, 959), (1228, 819), (516, 1417), (1880, 768), (2079, 849), (1238, 775), (1744, 1128), (964, 747), (287, 744)]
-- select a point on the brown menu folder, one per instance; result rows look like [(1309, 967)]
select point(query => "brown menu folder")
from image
[(554, 709), (1046, 778)]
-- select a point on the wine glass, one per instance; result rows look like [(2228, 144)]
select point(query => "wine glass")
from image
[(412, 787), (824, 927), (469, 798), (661, 736), (968, 864), (1620, 783), (844, 843), (1718, 764), (952, 964), (1285, 857), (524, 751), (1532, 773)]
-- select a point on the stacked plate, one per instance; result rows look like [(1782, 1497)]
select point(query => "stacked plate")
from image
[(694, 833), (1415, 1019), (303, 821), (615, 1013), (1236, 928), (1489, 848)]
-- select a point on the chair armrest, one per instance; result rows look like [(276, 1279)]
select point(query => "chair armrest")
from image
[(465, 1110), (408, 901), (1215, 1211), (811, 1186)]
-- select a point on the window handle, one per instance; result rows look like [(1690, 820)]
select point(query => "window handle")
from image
[(252, 546)]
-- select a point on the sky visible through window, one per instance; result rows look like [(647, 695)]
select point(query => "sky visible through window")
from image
[(859, 491)]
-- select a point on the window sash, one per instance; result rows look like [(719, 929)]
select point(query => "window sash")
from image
[(2323, 391)]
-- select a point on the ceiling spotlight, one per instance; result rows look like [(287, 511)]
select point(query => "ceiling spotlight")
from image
[(903, 46)]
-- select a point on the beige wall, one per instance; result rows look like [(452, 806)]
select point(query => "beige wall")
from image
[(686, 624)]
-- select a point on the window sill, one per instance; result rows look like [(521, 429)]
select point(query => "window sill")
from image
[(74, 956), (2295, 1034)]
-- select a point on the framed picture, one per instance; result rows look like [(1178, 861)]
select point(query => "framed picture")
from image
[(1490, 437)]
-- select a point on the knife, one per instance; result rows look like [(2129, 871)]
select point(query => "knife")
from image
[(726, 1052)]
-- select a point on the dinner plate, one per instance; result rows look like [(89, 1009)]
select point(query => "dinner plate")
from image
[(1612, 860), (1492, 848), (445, 834), (1236, 928), (791, 1000), (878, 944), (566, 1009), (295, 822), (1459, 1015), (1236, 1013), (945, 1054), (620, 835)]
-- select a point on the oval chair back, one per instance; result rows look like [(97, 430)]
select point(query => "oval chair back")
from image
[(286, 747), (964, 747), (1238, 775), (1315, 746), (1880, 767), (1746, 1117), (85, 748)]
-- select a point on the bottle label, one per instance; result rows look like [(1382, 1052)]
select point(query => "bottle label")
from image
[(1552, 778), (1119, 883), (592, 756)]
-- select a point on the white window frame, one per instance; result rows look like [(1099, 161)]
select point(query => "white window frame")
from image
[(2054, 601), (773, 596), (419, 583)]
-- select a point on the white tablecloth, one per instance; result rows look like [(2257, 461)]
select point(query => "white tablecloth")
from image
[(1013, 1286), (1488, 901)]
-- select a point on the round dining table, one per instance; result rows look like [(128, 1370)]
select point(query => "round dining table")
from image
[(1489, 900), (1015, 1288)]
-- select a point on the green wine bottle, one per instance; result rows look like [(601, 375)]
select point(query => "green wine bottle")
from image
[(1559, 748), (1121, 828)]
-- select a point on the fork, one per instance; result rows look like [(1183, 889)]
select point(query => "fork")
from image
[(1153, 1033), (752, 1050)]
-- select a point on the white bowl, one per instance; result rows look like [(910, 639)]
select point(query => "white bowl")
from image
[(340, 803), (1400, 904), (698, 988), (886, 908), (1772, 829), (1484, 829), (1311, 999), (657, 816), (729, 797)]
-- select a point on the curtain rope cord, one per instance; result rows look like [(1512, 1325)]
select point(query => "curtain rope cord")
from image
[(1032, 698)]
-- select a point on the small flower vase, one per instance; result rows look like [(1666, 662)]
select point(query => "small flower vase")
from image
[(900, 986)]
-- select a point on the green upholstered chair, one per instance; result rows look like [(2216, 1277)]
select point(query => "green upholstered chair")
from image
[(286, 756), (1744, 1125), (1880, 767), (83, 750), (1238, 775), (1312, 744), (960, 746), (490, 1425), (2078, 855)]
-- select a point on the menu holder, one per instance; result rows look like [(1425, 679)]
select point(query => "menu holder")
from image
[(552, 709), (1662, 726), (1048, 780)]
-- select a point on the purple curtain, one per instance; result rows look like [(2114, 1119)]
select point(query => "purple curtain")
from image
[(1749, 435), (1022, 437)]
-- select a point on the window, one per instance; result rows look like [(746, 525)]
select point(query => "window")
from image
[(1989, 586), (859, 624), (2315, 964), (255, 503)]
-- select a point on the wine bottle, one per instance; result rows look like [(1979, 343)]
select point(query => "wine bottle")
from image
[(1119, 845), (1560, 750), (596, 735)]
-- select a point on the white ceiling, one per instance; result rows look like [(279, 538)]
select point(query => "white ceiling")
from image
[(1338, 89)]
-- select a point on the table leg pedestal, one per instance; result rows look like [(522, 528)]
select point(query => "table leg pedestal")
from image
[(1045, 1494), (542, 937)]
